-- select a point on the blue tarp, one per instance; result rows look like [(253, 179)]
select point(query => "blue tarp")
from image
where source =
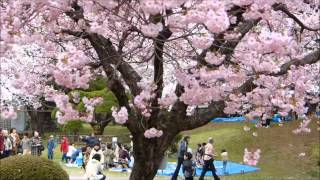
[(232, 168), (276, 118), (230, 119)]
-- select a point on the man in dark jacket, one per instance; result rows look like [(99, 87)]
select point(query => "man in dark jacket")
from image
[(188, 167), (91, 141), (183, 147)]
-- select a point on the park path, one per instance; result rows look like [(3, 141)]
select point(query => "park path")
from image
[(77, 177)]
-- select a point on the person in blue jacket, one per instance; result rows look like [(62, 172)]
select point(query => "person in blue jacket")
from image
[(51, 146), (183, 147), (91, 141)]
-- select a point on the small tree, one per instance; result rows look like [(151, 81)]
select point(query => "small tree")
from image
[(74, 127)]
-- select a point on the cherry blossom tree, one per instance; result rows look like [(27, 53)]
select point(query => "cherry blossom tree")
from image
[(250, 57)]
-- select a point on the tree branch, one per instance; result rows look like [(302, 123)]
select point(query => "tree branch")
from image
[(108, 55), (308, 59), (283, 8)]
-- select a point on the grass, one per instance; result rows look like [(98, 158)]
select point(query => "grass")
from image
[(280, 149)]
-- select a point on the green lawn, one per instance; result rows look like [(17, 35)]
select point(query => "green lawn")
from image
[(280, 149)]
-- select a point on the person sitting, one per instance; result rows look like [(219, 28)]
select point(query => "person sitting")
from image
[(124, 157), (108, 156), (71, 150), (75, 154), (97, 150), (94, 168), (86, 156)]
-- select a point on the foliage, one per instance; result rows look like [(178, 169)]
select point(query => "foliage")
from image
[(109, 100), (31, 167), (74, 126)]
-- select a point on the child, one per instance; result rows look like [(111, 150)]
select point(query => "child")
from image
[(188, 166), (224, 156)]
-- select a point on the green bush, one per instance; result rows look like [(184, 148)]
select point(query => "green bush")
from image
[(74, 126), (29, 167)]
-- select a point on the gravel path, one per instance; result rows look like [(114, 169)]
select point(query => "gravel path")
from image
[(75, 177)]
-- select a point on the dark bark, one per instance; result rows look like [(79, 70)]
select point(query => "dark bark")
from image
[(98, 128), (148, 154), (41, 121)]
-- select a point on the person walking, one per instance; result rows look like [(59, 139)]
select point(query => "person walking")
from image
[(183, 147), (36, 144), (51, 146), (64, 147), (26, 144), (208, 159)]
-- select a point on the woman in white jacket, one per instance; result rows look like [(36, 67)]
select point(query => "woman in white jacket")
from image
[(94, 168), (97, 150)]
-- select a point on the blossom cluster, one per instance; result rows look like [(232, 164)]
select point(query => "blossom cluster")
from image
[(121, 116), (143, 100), (251, 158), (153, 133)]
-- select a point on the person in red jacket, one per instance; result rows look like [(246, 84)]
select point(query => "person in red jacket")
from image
[(64, 148), (1, 144)]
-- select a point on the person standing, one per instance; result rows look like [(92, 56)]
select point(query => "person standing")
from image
[(26, 144), (224, 156), (188, 167), (36, 144), (51, 146), (15, 140), (64, 147), (7, 144), (1, 143), (183, 147), (208, 159)]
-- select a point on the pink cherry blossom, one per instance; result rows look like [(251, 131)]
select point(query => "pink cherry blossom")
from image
[(121, 116), (8, 113), (251, 158), (153, 133), (151, 30)]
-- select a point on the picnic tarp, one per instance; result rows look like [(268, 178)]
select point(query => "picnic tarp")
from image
[(232, 168), (276, 118)]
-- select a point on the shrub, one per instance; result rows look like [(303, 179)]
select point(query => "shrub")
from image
[(29, 167), (74, 126)]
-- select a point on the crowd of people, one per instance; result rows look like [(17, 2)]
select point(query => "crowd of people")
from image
[(11, 144), (95, 156), (204, 157)]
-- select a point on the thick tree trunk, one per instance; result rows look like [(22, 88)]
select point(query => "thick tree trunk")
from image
[(148, 155), (98, 128)]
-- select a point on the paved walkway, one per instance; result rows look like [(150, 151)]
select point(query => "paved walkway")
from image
[(75, 177)]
